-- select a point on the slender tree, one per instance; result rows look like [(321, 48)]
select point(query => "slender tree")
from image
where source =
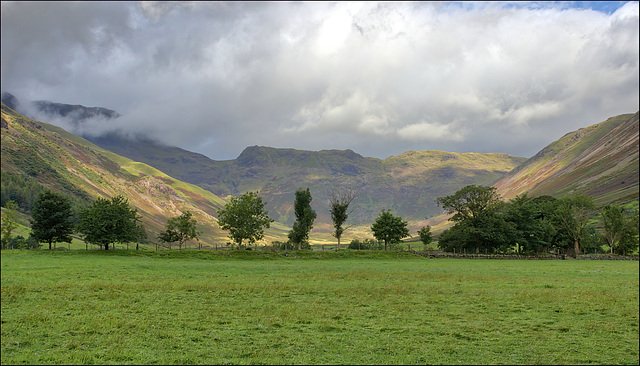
[(425, 235), (245, 218), (52, 218), (339, 202), (305, 216), (389, 228)]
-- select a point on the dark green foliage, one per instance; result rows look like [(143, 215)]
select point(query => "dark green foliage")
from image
[(389, 228), (112, 221), (480, 221), (572, 216), (471, 202), (365, 244), (288, 245), (426, 237), (533, 230), (180, 228), (19, 242), (52, 218), (305, 216), (22, 189), (245, 218)]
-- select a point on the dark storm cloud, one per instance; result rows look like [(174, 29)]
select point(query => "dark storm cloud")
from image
[(378, 78)]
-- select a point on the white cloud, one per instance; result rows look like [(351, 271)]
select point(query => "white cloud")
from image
[(378, 78)]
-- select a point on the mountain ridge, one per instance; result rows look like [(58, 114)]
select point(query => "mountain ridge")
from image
[(408, 183)]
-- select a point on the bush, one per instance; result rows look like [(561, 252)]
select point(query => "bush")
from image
[(19, 242), (288, 245), (365, 244)]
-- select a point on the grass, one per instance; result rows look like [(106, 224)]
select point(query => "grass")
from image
[(350, 307)]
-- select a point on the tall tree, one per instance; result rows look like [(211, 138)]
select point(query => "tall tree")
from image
[(245, 218), (107, 222), (8, 222), (389, 228), (572, 216), (339, 202), (619, 229), (180, 228), (305, 216), (52, 218)]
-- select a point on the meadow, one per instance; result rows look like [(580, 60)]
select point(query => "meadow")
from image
[(349, 307)]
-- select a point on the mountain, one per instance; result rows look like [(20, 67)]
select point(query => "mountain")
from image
[(76, 114), (408, 183), (600, 161), (38, 153)]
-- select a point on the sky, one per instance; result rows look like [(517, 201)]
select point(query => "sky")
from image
[(379, 78)]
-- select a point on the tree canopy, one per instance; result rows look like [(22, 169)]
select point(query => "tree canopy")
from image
[(245, 218), (389, 228), (52, 218), (107, 222), (180, 228), (305, 216)]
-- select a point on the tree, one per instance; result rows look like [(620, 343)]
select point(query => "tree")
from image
[(8, 222), (470, 202), (480, 224), (389, 228), (245, 218), (52, 218), (339, 202), (572, 217), (619, 229), (107, 222), (305, 216), (532, 231), (180, 228), (425, 235)]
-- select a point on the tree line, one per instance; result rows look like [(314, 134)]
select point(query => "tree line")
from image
[(483, 223)]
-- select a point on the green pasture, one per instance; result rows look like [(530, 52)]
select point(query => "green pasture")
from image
[(347, 307)]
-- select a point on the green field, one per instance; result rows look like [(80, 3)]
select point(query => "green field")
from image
[(190, 307)]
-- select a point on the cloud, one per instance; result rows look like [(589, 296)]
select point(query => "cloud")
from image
[(377, 78)]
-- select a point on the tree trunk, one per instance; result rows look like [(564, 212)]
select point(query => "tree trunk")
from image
[(576, 247), (106, 246), (338, 243), (50, 244), (385, 245)]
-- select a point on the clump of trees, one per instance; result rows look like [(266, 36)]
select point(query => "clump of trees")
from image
[(486, 224)]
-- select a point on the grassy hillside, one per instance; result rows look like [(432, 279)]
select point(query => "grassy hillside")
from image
[(39, 152), (600, 160)]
